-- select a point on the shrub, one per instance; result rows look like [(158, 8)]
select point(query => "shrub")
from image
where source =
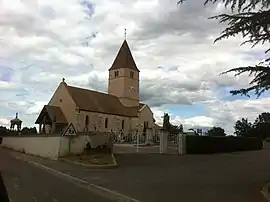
[(208, 145)]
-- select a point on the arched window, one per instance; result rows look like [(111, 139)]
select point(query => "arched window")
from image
[(145, 124), (106, 123), (123, 124), (131, 74), (86, 120)]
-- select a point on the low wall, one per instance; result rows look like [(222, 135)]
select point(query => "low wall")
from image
[(40, 146), (53, 146), (77, 144), (72, 145)]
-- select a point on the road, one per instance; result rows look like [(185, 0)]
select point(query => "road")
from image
[(235, 177), (26, 183)]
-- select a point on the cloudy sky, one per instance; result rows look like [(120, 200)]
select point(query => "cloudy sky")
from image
[(42, 41)]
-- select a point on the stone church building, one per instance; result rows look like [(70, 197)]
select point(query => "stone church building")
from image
[(119, 110)]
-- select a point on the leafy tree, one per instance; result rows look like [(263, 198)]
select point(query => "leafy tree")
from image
[(3, 130), (262, 125), (29, 131), (250, 18), (172, 129), (216, 131), (243, 128), (260, 128), (263, 118), (181, 128), (166, 122)]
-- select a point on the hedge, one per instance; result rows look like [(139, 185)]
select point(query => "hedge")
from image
[(208, 145)]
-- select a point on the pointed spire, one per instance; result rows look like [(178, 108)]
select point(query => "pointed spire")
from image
[(124, 59)]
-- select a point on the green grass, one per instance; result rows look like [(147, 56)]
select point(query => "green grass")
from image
[(92, 158)]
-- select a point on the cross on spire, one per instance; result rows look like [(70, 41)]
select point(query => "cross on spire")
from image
[(125, 33)]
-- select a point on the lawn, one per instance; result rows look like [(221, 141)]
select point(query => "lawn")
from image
[(92, 158)]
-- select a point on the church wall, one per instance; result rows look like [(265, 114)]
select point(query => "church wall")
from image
[(135, 123), (96, 121), (62, 99), (146, 115)]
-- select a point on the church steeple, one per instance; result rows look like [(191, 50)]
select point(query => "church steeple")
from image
[(124, 59), (124, 77)]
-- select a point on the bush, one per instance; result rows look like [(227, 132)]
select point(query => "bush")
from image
[(98, 149), (208, 145)]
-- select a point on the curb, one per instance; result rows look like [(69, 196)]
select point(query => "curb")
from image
[(265, 191), (112, 165)]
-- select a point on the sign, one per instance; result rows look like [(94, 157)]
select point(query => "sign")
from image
[(70, 130)]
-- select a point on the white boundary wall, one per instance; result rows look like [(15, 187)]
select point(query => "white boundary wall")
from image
[(52, 147), (40, 146), (74, 145)]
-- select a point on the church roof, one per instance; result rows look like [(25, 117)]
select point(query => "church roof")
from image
[(124, 59), (100, 102), (55, 114), (141, 105)]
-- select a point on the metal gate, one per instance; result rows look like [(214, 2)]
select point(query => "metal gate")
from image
[(159, 142)]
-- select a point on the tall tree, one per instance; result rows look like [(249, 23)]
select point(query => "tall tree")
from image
[(166, 122), (251, 19), (243, 128), (216, 131), (181, 129), (263, 118), (29, 131), (262, 125)]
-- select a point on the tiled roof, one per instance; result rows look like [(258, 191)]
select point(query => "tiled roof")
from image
[(100, 102), (124, 59), (55, 114)]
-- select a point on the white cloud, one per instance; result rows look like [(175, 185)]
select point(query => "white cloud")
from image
[(4, 122), (43, 41), (36, 108)]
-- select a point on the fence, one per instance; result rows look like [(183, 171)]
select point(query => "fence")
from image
[(159, 142), (57, 146)]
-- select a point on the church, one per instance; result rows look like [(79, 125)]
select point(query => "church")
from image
[(119, 110)]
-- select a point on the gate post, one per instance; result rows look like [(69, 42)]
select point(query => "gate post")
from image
[(163, 142), (181, 144)]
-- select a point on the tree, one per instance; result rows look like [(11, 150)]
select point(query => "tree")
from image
[(29, 131), (263, 118), (3, 130), (181, 129), (243, 128), (251, 19), (262, 125), (172, 129), (216, 131), (166, 122), (260, 128)]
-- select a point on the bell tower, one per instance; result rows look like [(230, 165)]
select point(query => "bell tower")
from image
[(124, 77)]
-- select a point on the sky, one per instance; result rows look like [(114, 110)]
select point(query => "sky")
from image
[(42, 41)]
